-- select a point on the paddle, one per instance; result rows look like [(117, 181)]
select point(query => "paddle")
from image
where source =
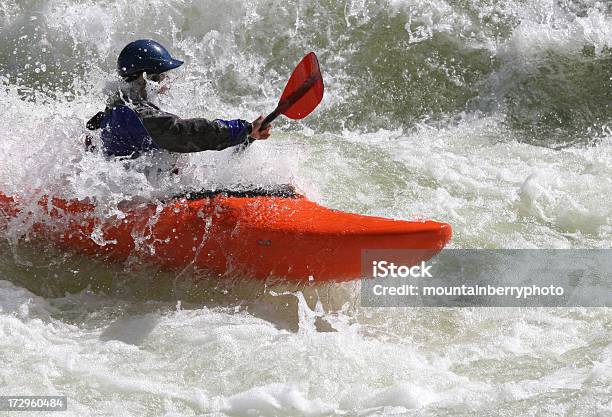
[(302, 94)]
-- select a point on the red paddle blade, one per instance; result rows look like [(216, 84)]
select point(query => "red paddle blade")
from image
[(304, 90)]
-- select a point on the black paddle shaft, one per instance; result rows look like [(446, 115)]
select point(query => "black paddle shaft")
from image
[(270, 118)]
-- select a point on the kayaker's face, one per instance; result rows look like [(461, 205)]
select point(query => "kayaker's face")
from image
[(161, 82), (158, 78)]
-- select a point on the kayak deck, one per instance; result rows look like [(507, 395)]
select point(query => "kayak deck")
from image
[(280, 237)]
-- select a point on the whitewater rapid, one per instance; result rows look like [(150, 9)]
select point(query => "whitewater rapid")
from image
[(492, 116), (114, 357)]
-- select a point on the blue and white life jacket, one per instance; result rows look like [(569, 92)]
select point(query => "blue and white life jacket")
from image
[(123, 133)]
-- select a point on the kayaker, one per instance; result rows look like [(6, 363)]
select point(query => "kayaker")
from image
[(132, 126)]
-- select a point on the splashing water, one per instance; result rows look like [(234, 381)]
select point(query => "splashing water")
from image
[(494, 116)]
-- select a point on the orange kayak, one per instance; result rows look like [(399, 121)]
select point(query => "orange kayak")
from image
[(269, 237)]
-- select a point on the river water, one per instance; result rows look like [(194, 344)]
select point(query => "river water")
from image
[(493, 116)]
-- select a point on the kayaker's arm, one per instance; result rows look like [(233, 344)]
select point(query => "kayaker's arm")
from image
[(174, 134)]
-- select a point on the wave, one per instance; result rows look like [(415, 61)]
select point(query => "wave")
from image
[(545, 65)]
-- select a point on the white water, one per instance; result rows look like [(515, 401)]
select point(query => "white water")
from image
[(469, 145), (118, 358)]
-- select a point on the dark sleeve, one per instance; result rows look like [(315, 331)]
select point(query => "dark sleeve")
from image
[(174, 134)]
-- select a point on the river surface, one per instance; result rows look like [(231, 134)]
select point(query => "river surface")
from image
[(493, 116)]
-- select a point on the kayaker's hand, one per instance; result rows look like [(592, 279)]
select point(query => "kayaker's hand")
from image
[(260, 134)]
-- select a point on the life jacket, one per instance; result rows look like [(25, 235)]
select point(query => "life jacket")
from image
[(123, 133)]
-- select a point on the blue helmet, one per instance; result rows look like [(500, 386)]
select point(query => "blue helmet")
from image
[(145, 55)]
